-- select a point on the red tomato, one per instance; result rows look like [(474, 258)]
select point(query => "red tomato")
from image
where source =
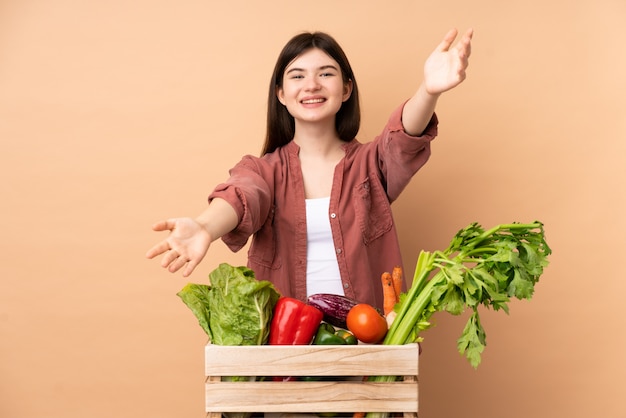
[(366, 323)]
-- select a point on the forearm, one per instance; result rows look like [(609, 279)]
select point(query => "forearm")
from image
[(418, 111), (218, 218)]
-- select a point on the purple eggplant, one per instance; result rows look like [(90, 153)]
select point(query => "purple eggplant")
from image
[(334, 307)]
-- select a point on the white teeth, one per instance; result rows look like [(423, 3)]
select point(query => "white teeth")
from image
[(312, 101)]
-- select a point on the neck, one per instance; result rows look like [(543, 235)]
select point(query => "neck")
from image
[(317, 138)]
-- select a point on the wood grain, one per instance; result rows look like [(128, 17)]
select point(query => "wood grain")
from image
[(349, 394)]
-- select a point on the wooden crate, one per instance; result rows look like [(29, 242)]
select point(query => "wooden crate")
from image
[(351, 395)]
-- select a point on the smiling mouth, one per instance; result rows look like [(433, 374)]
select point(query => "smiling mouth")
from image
[(312, 101)]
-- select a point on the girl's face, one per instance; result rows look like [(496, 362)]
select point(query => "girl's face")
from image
[(313, 89)]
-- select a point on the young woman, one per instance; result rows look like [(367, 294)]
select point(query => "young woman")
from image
[(317, 201)]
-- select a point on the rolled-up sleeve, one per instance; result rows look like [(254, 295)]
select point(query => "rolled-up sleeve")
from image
[(250, 195), (401, 155)]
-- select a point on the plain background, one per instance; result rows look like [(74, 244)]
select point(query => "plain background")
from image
[(115, 114)]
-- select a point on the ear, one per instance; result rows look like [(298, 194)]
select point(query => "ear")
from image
[(347, 90), (280, 94)]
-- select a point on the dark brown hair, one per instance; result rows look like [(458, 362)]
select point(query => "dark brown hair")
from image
[(280, 124)]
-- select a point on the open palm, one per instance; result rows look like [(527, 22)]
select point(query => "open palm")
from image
[(446, 65), (186, 245)]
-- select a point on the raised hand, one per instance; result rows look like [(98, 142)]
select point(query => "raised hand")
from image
[(186, 245), (445, 67)]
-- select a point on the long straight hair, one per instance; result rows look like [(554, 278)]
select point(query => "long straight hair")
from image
[(280, 124)]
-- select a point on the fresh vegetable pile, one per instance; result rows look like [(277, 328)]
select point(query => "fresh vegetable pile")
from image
[(479, 267)]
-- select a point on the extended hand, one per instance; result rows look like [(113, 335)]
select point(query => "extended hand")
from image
[(445, 67), (186, 245)]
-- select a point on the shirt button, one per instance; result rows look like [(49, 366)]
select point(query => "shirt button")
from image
[(346, 285), (333, 215)]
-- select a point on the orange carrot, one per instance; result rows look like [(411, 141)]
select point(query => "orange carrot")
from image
[(396, 279), (389, 294)]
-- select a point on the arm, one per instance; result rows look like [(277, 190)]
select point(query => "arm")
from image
[(444, 69), (189, 239)]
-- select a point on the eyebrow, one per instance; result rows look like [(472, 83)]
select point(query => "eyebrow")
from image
[(323, 67)]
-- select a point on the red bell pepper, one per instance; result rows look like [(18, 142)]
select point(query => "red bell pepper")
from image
[(294, 322)]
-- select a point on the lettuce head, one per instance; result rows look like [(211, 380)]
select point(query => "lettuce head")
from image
[(235, 308)]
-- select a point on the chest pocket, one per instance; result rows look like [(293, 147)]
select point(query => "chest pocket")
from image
[(372, 210)]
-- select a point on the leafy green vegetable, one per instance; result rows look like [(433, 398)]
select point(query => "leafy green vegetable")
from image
[(196, 297), (479, 267), (235, 309)]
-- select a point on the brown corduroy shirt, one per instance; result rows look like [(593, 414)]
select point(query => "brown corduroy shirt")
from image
[(268, 195)]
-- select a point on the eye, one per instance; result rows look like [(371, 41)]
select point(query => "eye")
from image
[(327, 74)]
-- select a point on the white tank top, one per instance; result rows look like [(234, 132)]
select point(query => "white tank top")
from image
[(322, 271)]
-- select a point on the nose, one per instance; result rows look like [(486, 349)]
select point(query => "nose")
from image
[(312, 84)]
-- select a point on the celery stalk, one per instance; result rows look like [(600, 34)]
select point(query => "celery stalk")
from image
[(479, 267)]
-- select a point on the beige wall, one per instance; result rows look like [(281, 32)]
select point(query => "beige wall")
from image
[(115, 114)]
